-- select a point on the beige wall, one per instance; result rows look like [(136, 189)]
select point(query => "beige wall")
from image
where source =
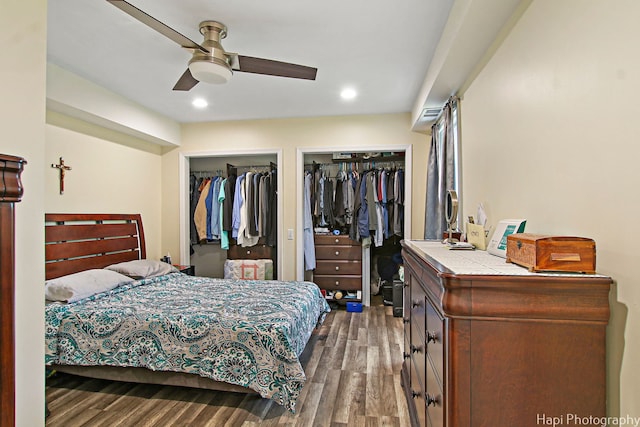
[(549, 133), (22, 109), (111, 173), (343, 133)]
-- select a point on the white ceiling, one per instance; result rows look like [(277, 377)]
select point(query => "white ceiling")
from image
[(380, 48)]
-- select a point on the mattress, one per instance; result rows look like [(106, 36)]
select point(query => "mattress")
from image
[(244, 332)]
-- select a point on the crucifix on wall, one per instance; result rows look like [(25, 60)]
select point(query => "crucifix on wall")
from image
[(63, 168)]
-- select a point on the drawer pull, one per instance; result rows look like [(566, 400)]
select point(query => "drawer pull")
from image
[(248, 252), (406, 284), (406, 355), (416, 303), (416, 348), (433, 400), (337, 282), (432, 337), (337, 253), (337, 240), (337, 267), (406, 320), (415, 394)]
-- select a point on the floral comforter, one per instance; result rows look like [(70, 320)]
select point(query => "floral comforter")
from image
[(248, 333)]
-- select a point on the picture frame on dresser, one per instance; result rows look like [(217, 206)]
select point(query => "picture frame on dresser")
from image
[(498, 242)]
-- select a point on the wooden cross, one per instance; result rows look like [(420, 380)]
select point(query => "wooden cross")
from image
[(63, 168)]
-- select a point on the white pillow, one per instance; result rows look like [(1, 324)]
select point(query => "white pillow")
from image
[(143, 268), (77, 286)]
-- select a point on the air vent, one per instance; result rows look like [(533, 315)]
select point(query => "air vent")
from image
[(431, 113)]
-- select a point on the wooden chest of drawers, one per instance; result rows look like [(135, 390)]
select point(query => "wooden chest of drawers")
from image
[(499, 349), (259, 251), (338, 263)]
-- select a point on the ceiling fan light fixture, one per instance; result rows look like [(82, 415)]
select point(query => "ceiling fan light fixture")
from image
[(210, 71)]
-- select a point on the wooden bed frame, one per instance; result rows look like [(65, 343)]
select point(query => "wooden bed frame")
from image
[(78, 242)]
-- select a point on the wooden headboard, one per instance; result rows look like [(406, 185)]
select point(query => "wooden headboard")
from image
[(77, 242)]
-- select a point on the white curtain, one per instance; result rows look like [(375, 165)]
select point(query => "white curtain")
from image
[(441, 170)]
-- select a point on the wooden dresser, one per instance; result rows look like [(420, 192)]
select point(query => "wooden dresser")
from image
[(259, 251), (10, 193), (338, 263), (490, 344)]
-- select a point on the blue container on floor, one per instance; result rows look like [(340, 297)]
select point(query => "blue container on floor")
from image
[(354, 307)]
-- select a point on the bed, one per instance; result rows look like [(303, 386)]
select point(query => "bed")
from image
[(164, 327)]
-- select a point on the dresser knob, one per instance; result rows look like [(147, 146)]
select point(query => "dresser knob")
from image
[(337, 282), (433, 400), (415, 394), (416, 303), (406, 320), (337, 240), (337, 267), (416, 348), (406, 284), (248, 252), (337, 253), (432, 337), (406, 355)]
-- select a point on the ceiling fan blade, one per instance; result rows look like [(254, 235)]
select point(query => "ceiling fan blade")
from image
[(185, 82), (249, 64), (157, 25)]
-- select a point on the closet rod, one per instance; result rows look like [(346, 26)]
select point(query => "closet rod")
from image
[(271, 166), (219, 172)]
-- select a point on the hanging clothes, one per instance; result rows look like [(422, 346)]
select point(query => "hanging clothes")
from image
[(194, 197), (272, 229), (238, 201), (229, 191), (200, 215), (224, 234), (247, 234), (308, 242)]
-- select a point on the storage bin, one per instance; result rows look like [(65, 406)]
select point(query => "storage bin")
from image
[(354, 307)]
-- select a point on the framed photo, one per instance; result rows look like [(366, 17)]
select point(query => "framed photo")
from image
[(498, 242)]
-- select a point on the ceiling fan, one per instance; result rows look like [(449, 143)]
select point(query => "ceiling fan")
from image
[(210, 63)]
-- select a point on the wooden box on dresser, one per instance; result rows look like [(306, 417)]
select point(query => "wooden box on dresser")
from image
[(338, 263), (491, 344)]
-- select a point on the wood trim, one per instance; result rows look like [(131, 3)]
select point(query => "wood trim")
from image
[(10, 192)]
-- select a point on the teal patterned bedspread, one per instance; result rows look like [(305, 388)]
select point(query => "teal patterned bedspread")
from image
[(243, 332)]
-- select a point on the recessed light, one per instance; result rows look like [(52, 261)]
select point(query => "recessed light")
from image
[(348, 93), (200, 103)]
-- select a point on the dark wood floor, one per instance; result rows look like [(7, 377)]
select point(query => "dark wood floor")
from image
[(352, 365)]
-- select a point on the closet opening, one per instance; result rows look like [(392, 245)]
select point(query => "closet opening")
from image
[(208, 240), (352, 258)]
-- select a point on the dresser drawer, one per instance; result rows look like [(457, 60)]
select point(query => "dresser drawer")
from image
[(249, 252), (344, 283), (418, 318), (339, 267), (338, 252), (418, 352), (406, 352), (417, 394), (434, 398), (434, 338), (330, 240)]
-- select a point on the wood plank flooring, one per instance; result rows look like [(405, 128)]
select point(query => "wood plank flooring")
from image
[(352, 363)]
